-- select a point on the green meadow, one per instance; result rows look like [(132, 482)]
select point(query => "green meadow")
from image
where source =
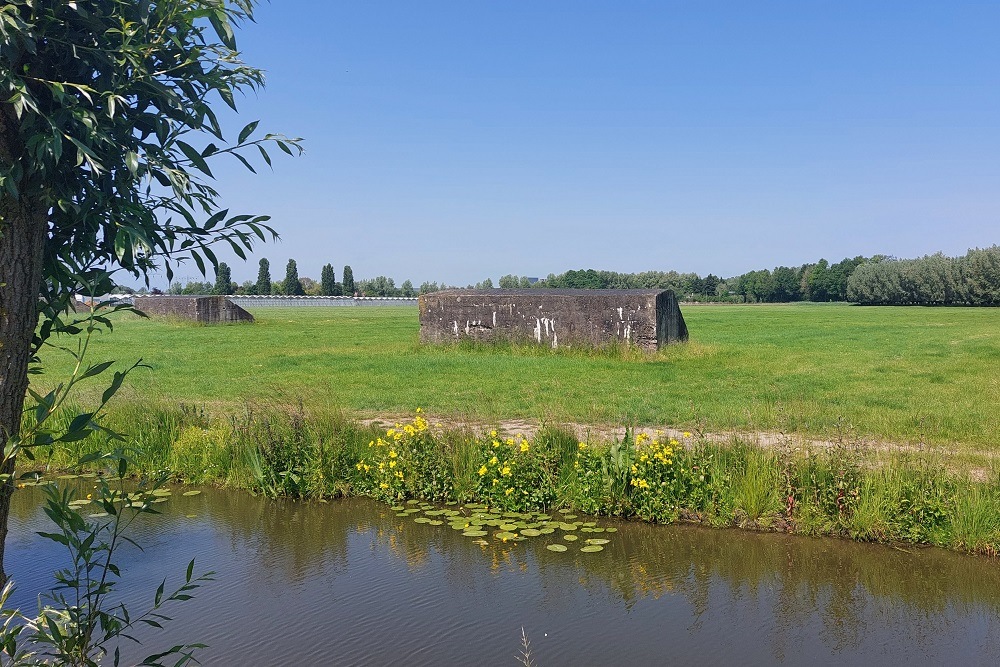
[(903, 375)]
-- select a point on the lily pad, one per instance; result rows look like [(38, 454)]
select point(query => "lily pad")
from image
[(595, 540), (412, 502), (570, 538), (435, 522), (403, 514), (591, 548), (546, 531), (474, 533), (162, 492), (504, 535), (530, 532), (612, 529), (421, 519), (191, 493), (480, 542), (98, 515), (556, 547), (509, 526), (569, 517), (67, 477), (590, 524), (567, 526), (398, 508)]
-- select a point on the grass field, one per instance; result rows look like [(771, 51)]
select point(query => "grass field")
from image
[(904, 375)]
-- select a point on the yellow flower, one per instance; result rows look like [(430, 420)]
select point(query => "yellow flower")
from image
[(674, 442), (641, 438), (399, 474), (383, 485), (509, 490), (505, 471), (482, 471), (419, 411), (524, 445), (493, 433), (494, 461), (392, 454), (392, 464), (687, 434), (582, 445)]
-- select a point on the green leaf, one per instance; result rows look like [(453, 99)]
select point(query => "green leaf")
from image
[(247, 131)]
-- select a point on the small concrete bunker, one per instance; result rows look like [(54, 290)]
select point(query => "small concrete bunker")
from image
[(647, 319), (204, 309)]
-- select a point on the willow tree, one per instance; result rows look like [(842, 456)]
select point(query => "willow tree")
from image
[(107, 132)]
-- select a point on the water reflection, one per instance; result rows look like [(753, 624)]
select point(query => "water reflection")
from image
[(378, 588)]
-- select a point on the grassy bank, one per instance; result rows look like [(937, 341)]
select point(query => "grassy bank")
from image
[(906, 375), (847, 491)]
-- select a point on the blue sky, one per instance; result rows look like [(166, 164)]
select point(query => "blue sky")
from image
[(454, 141)]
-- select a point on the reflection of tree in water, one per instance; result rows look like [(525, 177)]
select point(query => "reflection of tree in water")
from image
[(839, 591)]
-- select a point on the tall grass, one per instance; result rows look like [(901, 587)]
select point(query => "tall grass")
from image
[(846, 490)]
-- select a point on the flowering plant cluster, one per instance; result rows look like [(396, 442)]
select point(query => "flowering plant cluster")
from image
[(513, 474), (651, 477), (406, 462)]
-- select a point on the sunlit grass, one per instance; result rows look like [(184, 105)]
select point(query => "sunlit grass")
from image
[(895, 374)]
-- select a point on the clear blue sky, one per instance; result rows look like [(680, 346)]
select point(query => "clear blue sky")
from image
[(454, 141)]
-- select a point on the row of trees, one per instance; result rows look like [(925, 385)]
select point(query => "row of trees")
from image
[(973, 279), (819, 281), (292, 285)]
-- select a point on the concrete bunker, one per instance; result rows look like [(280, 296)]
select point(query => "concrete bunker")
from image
[(204, 309), (647, 319)]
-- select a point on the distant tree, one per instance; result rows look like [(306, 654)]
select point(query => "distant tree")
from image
[(292, 286), (247, 287), (348, 277), (428, 287), (784, 285), (378, 286), (486, 284), (406, 289), (223, 279), (309, 286), (524, 282), (264, 277), (328, 281), (509, 281)]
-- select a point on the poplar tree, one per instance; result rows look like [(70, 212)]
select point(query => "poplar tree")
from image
[(292, 286), (264, 277), (349, 286)]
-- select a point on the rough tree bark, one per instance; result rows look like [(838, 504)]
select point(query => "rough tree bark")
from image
[(23, 229)]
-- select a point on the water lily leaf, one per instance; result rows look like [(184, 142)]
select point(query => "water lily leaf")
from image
[(569, 517), (191, 493), (398, 508), (589, 549), (67, 477), (421, 519), (530, 532), (612, 529), (556, 547), (546, 531), (162, 492), (590, 524), (595, 540), (435, 522), (474, 533), (570, 538), (403, 514), (504, 535), (481, 542), (509, 526), (567, 526), (412, 502), (98, 515)]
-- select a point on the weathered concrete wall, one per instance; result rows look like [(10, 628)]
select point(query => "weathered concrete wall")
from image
[(205, 309), (556, 317)]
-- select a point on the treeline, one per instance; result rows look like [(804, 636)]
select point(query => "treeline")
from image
[(973, 280), (819, 281)]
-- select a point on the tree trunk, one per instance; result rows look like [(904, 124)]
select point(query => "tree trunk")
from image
[(23, 228)]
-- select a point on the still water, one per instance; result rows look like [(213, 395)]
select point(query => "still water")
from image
[(350, 583)]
